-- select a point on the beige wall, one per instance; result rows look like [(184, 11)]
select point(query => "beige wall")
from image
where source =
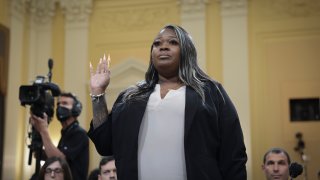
[(284, 42), (285, 51)]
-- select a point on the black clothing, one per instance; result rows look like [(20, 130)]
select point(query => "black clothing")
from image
[(74, 144), (213, 139)]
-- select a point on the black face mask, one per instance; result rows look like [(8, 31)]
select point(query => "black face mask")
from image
[(63, 113)]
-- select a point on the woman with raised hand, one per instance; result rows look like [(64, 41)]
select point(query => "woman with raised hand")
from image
[(176, 124)]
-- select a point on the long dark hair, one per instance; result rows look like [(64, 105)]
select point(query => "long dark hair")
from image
[(64, 165), (189, 71)]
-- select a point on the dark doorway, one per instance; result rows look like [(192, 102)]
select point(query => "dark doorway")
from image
[(1, 131), (305, 109), (4, 58)]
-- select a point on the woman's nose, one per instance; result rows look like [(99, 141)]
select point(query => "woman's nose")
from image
[(164, 46)]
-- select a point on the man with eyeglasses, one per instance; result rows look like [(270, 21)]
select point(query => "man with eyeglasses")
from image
[(54, 171), (55, 168)]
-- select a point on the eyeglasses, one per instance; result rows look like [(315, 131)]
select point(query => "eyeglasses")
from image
[(57, 170)]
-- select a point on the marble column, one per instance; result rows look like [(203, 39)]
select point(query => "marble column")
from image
[(14, 125), (76, 50), (193, 19), (236, 64), (40, 37), (39, 51)]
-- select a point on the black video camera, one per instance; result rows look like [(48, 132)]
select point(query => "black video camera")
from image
[(40, 96)]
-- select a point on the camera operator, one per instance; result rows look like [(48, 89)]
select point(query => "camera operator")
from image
[(74, 143)]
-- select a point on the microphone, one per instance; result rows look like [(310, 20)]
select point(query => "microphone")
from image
[(50, 65), (295, 169)]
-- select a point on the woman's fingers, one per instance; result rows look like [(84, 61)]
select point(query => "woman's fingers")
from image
[(102, 67), (91, 69), (99, 68), (105, 63), (108, 60)]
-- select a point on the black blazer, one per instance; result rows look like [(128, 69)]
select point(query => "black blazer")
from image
[(213, 139)]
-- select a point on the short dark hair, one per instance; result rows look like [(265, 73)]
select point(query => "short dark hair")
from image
[(70, 95), (276, 150), (76, 106), (104, 160)]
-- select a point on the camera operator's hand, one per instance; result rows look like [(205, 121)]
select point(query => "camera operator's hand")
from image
[(40, 124), (101, 77)]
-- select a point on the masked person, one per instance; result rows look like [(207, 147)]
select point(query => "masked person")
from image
[(74, 143)]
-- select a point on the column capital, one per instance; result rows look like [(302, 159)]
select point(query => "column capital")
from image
[(192, 6), (233, 7), (17, 9), (76, 10), (41, 11)]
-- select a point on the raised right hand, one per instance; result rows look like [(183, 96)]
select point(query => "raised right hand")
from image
[(100, 78)]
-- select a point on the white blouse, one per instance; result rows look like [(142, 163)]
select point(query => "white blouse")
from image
[(161, 137)]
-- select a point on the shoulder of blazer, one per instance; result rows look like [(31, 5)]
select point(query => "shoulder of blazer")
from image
[(119, 106), (217, 89)]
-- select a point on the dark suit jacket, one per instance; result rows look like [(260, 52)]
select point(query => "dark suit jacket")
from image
[(213, 140)]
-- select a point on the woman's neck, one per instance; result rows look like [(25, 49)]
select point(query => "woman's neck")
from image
[(170, 80), (167, 84)]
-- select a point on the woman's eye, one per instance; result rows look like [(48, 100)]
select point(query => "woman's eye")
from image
[(156, 43), (174, 42)]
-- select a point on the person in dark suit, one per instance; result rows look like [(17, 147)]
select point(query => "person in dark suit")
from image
[(176, 124)]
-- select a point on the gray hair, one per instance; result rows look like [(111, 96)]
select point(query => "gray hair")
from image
[(189, 71)]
